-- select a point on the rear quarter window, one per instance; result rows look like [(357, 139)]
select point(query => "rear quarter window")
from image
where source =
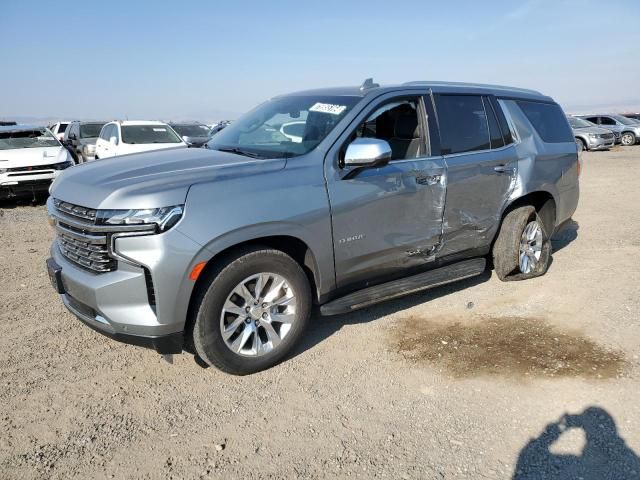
[(549, 121)]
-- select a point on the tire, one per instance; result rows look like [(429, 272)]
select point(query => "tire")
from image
[(510, 244), (259, 336), (628, 138), (582, 146)]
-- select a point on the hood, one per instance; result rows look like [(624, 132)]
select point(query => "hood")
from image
[(596, 130), (152, 179), (24, 157)]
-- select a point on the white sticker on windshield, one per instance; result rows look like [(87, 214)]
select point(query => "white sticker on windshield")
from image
[(328, 108), (159, 129)]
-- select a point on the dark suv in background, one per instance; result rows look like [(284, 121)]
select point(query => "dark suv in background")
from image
[(80, 139)]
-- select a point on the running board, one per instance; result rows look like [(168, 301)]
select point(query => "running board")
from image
[(405, 286)]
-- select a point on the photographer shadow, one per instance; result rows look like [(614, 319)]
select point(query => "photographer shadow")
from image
[(604, 456)]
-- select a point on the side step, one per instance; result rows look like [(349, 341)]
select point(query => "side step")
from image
[(405, 286)]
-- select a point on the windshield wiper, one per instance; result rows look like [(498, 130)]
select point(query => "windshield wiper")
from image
[(239, 151)]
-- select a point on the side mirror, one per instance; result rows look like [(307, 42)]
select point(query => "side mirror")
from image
[(367, 152)]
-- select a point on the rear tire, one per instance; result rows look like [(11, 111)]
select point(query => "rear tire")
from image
[(252, 311), (628, 139), (522, 249)]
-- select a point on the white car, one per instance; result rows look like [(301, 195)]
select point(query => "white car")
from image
[(30, 159), (58, 129), (123, 137)]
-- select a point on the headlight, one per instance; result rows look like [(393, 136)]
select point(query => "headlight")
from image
[(163, 218), (593, 135)]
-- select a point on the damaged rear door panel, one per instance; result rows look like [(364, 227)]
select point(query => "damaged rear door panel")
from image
[(481, 166)]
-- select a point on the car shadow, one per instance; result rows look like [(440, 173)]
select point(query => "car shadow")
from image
[(565, 236), (322, 327), (604, 455)]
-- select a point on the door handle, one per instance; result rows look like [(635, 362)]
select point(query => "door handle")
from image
[(503, 169)]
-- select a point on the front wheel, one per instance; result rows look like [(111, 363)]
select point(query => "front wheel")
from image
[(628, 138), (582, 146), (252, 311), (522, 249)]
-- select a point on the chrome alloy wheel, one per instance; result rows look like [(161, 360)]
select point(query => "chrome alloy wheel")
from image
[(627, 139), (258, 314), (530, 247)]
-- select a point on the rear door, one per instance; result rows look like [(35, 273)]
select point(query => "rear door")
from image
[(481, 165), (387, 220)]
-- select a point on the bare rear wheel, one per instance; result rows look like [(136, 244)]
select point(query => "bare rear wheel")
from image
[(522, 249)]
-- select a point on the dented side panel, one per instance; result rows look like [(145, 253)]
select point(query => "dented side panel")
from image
[(388, 219), (480, 185)]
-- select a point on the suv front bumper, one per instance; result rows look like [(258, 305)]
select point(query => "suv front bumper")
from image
[(601, 143), (144, 300)]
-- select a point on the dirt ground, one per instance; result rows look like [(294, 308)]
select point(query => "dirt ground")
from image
[(481, 379)]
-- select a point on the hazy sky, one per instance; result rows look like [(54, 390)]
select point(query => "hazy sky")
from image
[(212, 59)]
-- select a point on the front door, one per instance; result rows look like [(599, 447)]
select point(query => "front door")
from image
[(387, 220)]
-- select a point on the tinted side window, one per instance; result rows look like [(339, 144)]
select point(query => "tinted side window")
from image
[(549, 121), (502, 121), (592, 119), (463, 123), (398, 123), (607, 121), (494, 130)]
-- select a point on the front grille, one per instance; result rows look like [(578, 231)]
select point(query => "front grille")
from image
[(88, 251), (53, 166), (607, 136), (76, 211), (78, 242)]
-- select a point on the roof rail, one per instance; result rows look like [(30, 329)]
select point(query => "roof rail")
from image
[(367, 84), (477, 85)]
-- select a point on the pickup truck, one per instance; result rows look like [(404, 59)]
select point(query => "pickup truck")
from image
[(224, 251)]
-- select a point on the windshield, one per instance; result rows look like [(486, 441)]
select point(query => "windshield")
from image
[(90, 130), (34, 138), (149, 134), (623, 120), (268, 132), (193, 130), (579, 123)]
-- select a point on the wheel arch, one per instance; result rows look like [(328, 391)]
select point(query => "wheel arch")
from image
[(291, 245), (544, 203)]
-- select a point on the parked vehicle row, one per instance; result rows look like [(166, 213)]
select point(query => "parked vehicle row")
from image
[(592, 132), (225, 249), (30, 158)]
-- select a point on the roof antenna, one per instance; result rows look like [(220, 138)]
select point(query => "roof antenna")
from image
[(367, 84)]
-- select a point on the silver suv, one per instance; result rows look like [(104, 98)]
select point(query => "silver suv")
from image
[(590, 137), (627, 128), (223, 251)]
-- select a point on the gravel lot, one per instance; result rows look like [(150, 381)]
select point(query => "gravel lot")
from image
[(474, 380)]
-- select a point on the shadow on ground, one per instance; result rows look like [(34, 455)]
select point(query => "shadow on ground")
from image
[(564, 237), (604, 455), (321, 328)]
